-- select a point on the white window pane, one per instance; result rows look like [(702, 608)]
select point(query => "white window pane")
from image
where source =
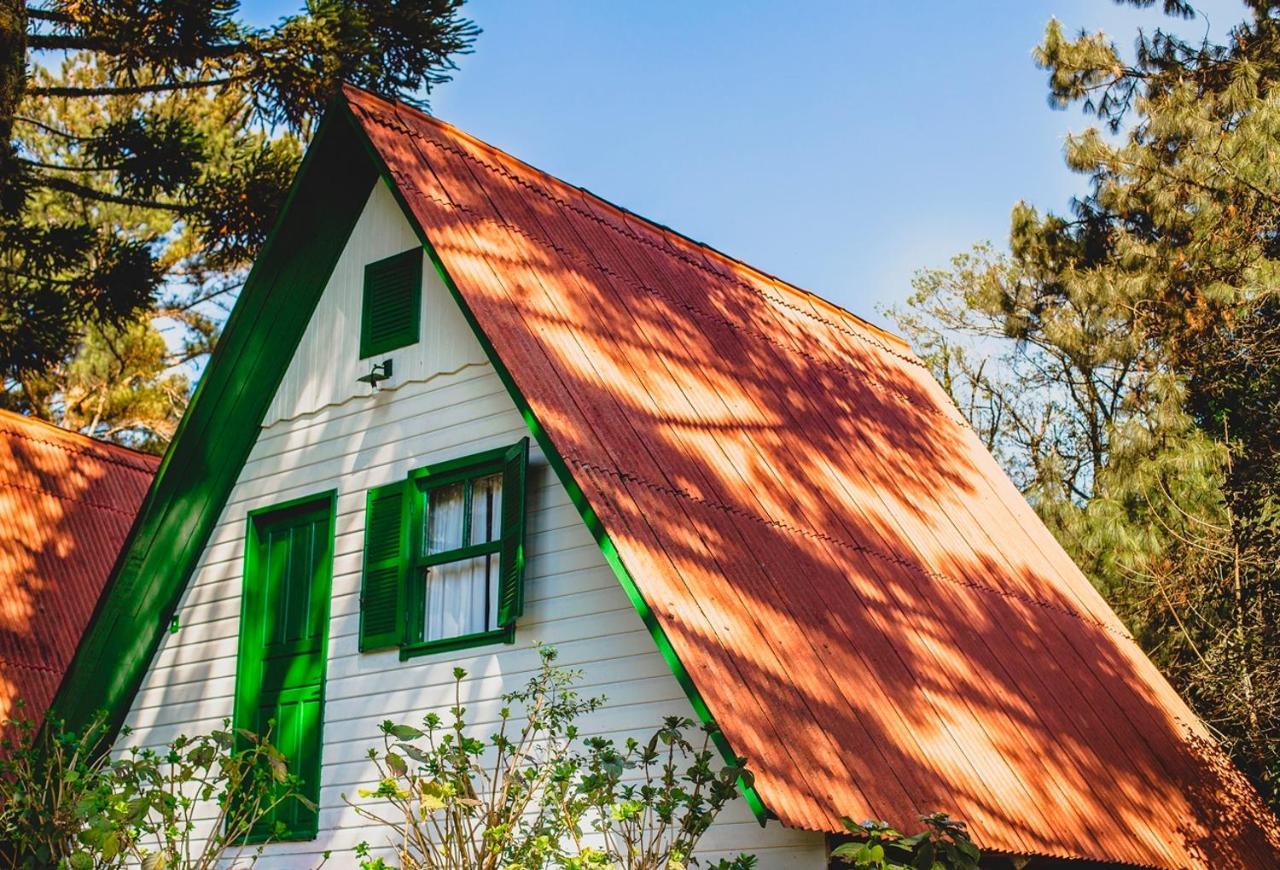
[(458, 597), (446, 508), (486, 508)]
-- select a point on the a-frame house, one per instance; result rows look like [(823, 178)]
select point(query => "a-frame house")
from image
[(714, 492)]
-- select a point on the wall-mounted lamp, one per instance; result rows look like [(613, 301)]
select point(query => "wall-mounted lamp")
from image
[(380, 372)]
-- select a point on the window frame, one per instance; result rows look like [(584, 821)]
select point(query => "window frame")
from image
[(421, 482)]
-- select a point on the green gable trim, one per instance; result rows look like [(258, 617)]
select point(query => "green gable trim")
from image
[(199, 470), (579, 499)]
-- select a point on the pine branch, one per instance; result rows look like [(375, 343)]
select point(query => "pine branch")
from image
[(39, 164), (18, 273), (179, 310), (66, 185), (54, 130), (66, 42), (123, 90), (49, 15)]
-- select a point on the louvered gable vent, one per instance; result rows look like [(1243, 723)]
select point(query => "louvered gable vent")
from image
[(392, 302)]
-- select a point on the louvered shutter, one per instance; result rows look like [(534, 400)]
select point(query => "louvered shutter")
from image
[(386, 560), (392, 303), (511, 582)]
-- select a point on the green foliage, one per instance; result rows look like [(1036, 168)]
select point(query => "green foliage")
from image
[(944, 844), (65, 803), (145, 148), (652, 801), (533, 792), (121, 386), (1120, 361)]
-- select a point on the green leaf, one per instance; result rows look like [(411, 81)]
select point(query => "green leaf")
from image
[(155, 861), (405, 732), (413, 752), (110, 846), (279, 769)]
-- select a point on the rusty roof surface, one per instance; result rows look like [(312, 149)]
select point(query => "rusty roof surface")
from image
[(873, 613), (66, 505)]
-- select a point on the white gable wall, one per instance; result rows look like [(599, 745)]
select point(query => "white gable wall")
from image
[(325, 431), (327, 361)]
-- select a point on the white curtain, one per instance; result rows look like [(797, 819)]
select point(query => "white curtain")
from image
[(462, 596), (456, 596), (444, 522), (486, 508)]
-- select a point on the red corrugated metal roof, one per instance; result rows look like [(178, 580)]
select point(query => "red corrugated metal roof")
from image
[(66, 505), (870, 609)]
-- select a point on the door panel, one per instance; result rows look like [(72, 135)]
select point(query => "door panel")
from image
[(283, 646), (295, 730)]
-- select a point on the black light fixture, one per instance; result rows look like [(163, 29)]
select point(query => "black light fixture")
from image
[(380, 372)]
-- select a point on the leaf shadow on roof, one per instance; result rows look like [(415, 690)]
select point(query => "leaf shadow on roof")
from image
[(868, 606), (66, 506)]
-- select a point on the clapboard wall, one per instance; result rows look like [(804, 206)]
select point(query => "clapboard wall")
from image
[(323, 432)]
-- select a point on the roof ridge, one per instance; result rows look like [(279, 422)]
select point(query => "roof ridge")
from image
[(22, 426), (878, 334)]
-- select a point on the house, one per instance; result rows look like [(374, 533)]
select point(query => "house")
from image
[(66, 504), (715, 493)]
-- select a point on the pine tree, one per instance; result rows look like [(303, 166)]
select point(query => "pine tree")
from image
[(1124, 360), (146, 147)]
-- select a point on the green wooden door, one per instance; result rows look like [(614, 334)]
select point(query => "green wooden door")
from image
[(284, 636)]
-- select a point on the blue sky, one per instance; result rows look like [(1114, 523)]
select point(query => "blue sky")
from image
[(839, 145)]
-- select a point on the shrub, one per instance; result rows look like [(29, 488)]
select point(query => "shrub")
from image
[(66, 803), (534, 794), (656, 821), (944, 844)]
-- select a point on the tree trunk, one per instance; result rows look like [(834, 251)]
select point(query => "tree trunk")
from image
[(13, 77)]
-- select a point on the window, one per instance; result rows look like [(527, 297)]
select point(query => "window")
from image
[(392, 303), (284, 633), (457, 582), (444, 555)]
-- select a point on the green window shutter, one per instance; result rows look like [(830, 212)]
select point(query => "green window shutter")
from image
[(515, 466), (392, 303), (386, 559)]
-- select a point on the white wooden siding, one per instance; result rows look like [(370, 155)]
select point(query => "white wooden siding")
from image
[(325, 432), (327, 362)]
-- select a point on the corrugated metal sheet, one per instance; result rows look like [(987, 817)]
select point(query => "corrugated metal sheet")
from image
[(66, 505), (873, 614)]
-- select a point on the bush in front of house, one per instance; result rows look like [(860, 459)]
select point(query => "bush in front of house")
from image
[(535, 794), (66, 804), (944, 844)]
